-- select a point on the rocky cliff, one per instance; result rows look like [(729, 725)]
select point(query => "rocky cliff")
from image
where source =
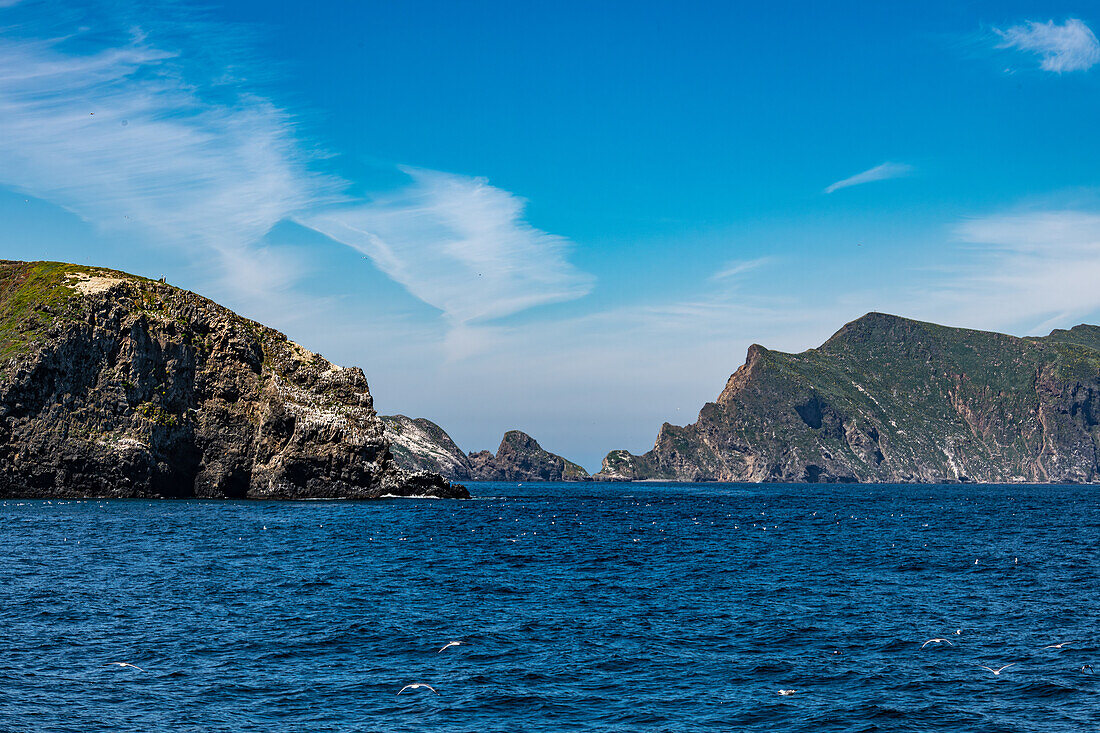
[(520, 458), (888, 399), (420, 444), (112, 385)]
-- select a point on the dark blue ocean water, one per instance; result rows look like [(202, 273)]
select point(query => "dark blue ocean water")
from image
[(624, 607)]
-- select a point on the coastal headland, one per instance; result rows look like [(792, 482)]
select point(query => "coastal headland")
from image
[(113, 385)]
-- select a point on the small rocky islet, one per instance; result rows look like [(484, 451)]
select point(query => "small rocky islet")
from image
[(117, 386), (419, 444)]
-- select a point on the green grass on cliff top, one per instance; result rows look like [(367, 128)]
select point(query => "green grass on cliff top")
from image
[(914, 365), (907, 355), (32, 295)]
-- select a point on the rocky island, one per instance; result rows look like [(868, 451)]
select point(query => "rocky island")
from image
[(420, 444), (888, 399), (113, 385)]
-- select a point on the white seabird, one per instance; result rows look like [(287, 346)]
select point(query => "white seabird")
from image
[(417, 686), (996, 671)]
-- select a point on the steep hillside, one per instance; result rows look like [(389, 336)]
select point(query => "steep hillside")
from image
[(418, 444), (113, 385), (888, 399), (520, 458)]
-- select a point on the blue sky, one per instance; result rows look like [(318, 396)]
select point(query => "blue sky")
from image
[(568, 218)]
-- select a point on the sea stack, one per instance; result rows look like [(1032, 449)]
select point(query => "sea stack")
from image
[(420, 444)]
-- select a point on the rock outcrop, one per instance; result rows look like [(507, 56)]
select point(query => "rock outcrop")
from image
[(419, 444), (112, 385), (521, 458), (888, 399)]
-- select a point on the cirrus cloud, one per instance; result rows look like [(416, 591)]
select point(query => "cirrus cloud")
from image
[(460, 245), (880, 172), (115, 136), (151, 138), (1035, 269), (1071, 46)]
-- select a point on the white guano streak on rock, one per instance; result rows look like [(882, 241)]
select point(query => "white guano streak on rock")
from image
[(871, 396), (417, 442), (950, 460), (123, 444), (306, 409)]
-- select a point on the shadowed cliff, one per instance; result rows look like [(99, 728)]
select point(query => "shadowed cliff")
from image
[(112, 385)]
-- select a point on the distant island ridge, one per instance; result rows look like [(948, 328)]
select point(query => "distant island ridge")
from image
[(884, 400), (115, 385)]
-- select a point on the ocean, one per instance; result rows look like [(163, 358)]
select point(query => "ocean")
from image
[(579, 607)]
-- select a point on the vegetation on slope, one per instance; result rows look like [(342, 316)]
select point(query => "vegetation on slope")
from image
[(891, 399)]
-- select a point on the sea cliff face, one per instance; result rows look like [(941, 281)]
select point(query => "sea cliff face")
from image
[(420, 444), (520, 458), (888, 399), (113, 385)]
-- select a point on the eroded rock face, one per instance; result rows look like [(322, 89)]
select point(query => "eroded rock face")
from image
[(116, 386), (889, 399), (521, 458), (421, 444)]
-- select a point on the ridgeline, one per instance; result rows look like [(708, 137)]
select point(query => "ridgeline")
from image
[(888, 399)]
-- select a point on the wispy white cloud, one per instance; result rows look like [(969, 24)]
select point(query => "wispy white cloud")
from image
[(1071, 46), (734, 268), (1031, 270), (151, 133), (880, 172), (117, 137), (460, 245)]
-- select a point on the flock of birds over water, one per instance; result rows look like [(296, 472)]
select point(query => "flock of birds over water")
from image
[(414, 686), (1087, 669)]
